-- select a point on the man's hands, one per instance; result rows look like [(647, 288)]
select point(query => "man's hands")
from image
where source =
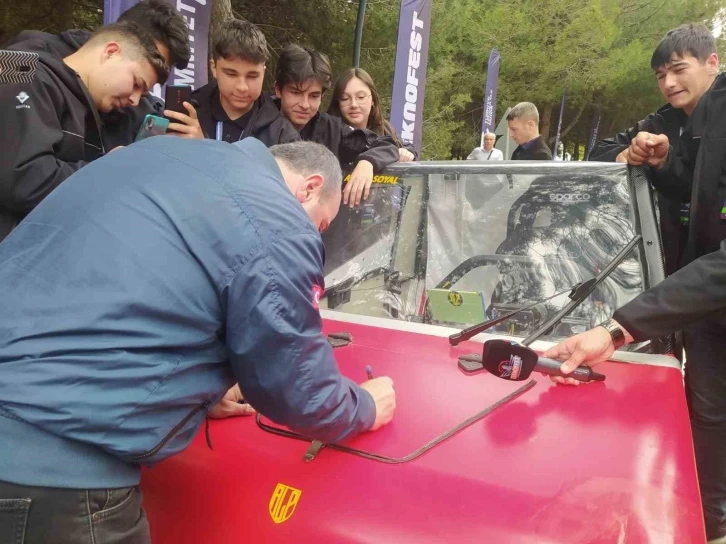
[(591, 347), (646, 148), (188, 126), (229, 405), (359, 184), (384, 397), (404, 155)]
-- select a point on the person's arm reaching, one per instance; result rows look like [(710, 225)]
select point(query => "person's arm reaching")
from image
[(30, 131), (671, 165), (608, 149), (693, 293), (283, 363), (371, 153)]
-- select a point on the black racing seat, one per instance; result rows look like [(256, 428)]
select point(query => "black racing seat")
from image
[(562, 231)]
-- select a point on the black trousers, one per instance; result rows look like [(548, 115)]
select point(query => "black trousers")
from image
[(46, 515), (706, 393)]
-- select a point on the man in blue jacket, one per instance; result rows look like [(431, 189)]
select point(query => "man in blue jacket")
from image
[(134, 296)]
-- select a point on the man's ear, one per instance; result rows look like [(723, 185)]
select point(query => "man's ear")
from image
[(111, 49), (213, 68), (278, 90), (712, 64), (312, 186)]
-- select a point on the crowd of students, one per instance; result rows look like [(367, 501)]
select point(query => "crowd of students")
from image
[(90, 95)]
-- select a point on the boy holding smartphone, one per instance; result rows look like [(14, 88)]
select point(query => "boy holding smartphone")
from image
[(232, 107), (51, 127)]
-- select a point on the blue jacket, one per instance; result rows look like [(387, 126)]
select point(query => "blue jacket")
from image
[(139, 291)]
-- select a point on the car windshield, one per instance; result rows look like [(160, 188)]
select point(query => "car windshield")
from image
[(455, 243)]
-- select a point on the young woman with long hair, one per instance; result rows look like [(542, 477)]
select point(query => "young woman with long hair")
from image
[(356, 100)]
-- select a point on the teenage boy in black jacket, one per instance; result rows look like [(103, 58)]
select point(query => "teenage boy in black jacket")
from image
[(51, 127), (691, 170), (166, 26), (682, 83), (232, 107), (302, 77)]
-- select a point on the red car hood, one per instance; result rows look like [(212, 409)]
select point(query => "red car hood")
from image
[(600, 463)]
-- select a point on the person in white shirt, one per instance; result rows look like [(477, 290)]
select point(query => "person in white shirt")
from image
[(486, 153), (562, 155)]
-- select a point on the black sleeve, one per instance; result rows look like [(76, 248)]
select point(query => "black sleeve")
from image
[(287, 132), (675, 178), (607, 150), (409, 147), (29, 170), (362, 144), (692, 293)]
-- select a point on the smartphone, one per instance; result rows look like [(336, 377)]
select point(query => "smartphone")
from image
[(152, 126), (175, 97), (17, 67)]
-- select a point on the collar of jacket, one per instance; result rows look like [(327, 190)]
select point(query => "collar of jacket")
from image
[(711, 104)]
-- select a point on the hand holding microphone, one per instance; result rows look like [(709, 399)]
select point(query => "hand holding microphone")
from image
[(511, 361)]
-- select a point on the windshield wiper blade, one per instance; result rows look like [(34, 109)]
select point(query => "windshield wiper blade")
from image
[(458, 337), (583, 291), (578, 293)]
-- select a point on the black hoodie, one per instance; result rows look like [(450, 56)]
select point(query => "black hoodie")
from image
[(263, 121), (120, 126), (48, 130)]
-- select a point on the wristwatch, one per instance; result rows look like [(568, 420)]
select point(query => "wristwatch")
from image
[(616, 333)]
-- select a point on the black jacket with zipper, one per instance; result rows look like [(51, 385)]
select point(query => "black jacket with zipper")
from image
[(50, 128), (695, 170), (266, 124), (348, 144), (119, 126), (669, 121)]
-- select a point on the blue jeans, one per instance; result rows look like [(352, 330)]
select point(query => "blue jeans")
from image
[(706, 393), (47, 515)]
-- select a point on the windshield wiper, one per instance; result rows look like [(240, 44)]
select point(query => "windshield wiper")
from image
[(577, 295)]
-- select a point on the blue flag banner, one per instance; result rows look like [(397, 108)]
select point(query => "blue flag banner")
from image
[(490, 95), (197, 14), (409, 77), (559, 126), (113, 8), (593, 134)]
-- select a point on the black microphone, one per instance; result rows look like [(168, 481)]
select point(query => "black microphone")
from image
[(514, 362)]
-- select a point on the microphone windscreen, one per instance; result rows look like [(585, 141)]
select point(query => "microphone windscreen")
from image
[(508, 360)]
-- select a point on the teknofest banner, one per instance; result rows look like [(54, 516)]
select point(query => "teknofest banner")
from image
[(409, 78)]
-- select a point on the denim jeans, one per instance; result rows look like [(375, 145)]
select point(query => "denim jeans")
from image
[(706, 393), (47, 515)]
